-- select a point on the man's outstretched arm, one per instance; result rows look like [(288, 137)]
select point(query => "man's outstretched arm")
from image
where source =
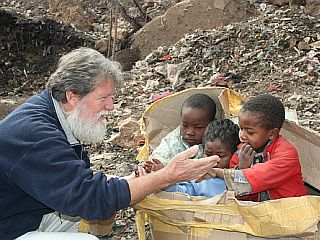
[(179, 169)]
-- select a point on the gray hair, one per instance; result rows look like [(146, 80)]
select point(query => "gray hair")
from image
[(80, 71)]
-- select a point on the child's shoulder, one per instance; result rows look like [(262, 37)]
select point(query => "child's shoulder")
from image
[(282, 144), (282, 140)]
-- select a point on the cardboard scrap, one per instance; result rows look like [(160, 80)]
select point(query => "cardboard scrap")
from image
[(199, 219)]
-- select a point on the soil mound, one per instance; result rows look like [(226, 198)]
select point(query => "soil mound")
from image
[(30, 49)]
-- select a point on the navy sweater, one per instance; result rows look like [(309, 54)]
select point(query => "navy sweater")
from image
[(40, 173)]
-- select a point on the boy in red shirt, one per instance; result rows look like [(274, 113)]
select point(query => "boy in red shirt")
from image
[(266, 166)]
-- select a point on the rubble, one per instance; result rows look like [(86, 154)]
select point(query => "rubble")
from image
[(313, 7), (129, 135), (275, 52), (42, 30), (30, 49), (183, 18)]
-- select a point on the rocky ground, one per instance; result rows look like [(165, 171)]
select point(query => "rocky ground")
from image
[(276, 51)]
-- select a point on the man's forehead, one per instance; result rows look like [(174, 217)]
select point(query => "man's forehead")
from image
[(107, 84)]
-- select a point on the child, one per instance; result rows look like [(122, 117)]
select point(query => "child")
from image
[(196, 113), (220, 138), (265, 166)]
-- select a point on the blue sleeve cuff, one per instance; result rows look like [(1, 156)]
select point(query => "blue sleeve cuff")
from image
[(119, 192)]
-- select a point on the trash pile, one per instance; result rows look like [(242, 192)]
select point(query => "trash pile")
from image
[(36, 33), (277, 52), (30, 49)]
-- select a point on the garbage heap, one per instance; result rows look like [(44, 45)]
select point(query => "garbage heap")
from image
[(277, 51)]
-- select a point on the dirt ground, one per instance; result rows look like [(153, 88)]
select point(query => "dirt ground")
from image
[(7, 105), (270, 53)]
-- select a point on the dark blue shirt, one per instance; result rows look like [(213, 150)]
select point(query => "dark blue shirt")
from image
[(40, 172)]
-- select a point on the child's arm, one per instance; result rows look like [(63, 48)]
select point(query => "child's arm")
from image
[(281, 169), (235, 180), (213, 173), (243, 158), (282, 166)]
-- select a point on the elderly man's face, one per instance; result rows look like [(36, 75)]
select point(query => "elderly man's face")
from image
[(88, 119), (99, 101)]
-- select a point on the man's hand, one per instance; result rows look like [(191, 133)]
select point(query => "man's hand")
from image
[(210, 174), (152, 165), (246, 156), (180, 168)]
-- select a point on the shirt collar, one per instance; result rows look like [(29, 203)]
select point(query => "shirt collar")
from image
[(65, 126)]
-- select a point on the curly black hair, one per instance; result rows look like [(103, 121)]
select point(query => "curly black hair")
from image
[(203, 102), (226, 131), (268, 108)]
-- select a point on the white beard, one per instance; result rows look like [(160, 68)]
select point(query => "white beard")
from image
[(87, 130)]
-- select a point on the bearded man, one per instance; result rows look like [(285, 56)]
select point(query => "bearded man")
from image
[(46, 183)]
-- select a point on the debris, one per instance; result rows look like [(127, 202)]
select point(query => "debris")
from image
[(280, 55), (264, 53), (275, 87), (160, 96), (129, 135), (219, 80)]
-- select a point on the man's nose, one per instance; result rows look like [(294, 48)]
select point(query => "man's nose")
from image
[(109, 104)]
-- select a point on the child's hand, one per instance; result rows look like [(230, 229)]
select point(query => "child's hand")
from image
[(152, 165), (211, 174), (139, 171), (246, 156)]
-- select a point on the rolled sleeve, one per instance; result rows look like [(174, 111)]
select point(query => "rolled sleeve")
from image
[(119, 192), (236, 181)]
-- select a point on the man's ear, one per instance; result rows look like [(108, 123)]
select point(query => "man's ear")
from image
[(72, 98), (274, 133)]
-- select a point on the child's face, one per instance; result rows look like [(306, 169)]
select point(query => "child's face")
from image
[(251, 131), (216, 147), (193, 124)]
